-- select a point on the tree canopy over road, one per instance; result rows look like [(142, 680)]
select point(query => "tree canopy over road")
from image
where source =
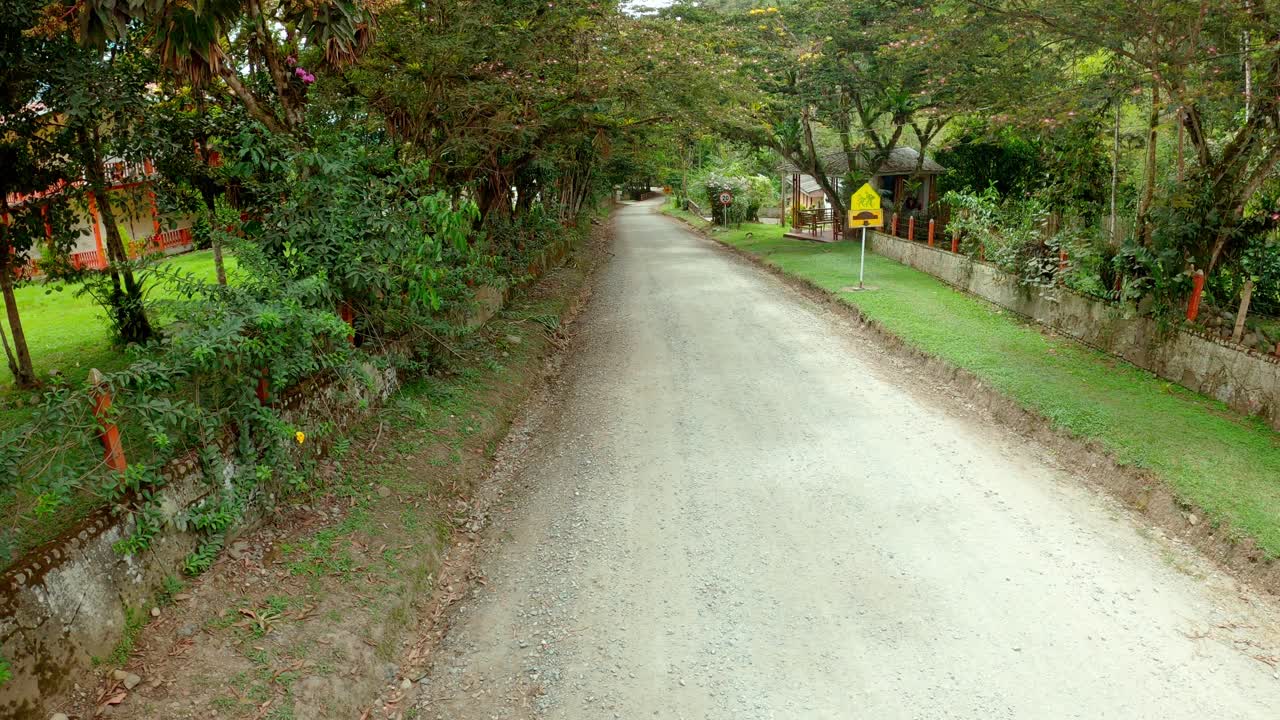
[(370, 161)]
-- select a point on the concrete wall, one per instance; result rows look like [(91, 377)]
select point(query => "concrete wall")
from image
[(65, 603), (1244, 379)]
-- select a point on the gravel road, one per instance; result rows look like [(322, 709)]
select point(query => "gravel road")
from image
[(739, 508)]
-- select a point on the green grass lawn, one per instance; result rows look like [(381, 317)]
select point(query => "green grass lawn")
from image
[(69, 333), (1221, 461)]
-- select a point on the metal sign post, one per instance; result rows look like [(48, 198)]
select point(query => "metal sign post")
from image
[(865, 212), (862, 259), (726, 204)]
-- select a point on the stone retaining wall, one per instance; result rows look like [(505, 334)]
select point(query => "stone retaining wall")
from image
[(1246, 380)]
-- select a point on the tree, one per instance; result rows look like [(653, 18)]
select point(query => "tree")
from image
[(183, 133), (221, 39), (1193, 59), (864, 77), (95, 98), (514, 100), (30, 211)]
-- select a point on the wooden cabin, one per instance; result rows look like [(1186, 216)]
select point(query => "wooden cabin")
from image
[(810, 210)]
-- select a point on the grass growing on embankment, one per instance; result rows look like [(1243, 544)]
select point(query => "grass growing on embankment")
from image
[(1219, 460)]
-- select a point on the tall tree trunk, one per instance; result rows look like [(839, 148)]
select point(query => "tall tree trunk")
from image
[(1182, 133), (126, 302), (19, 358), (8, 356), (1149, 182), (819, 172), (1115, 175), (209, 191), (1248, 71), (215, 240)]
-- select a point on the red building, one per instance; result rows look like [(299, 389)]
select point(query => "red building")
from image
[(142, 226)]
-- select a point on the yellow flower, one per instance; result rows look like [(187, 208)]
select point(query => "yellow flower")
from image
[(300, 436)]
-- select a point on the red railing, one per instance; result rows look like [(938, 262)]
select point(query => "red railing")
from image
[(170, 239), (88, 259)]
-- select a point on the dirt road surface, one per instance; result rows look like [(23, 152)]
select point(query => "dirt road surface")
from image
[(739, 508)]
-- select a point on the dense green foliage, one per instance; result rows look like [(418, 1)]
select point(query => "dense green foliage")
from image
[(367, 175), (1141, 136)]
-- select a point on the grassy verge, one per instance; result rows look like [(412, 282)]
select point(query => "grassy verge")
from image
[(67, 332), (1212, 457)]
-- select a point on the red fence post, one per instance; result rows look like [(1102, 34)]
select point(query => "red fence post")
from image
[(263, 387), (895, 225), (1197, 287), (931, 233), (911, 229), (955, 240), (113, 451), (348, 315)]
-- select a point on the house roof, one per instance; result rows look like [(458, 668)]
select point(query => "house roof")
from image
[(809, 186), (901, 161)]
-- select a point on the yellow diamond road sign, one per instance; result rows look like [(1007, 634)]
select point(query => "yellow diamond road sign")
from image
[(864, 208)]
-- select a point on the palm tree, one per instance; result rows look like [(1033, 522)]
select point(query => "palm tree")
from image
[(199, 41)]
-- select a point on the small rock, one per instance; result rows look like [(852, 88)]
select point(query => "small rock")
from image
[(187, 630), (384, 491), (238, 550), (119, 675), (131, 681), (59, 716), (155, 612), (513, 340), (405, 684), (1192, 519)]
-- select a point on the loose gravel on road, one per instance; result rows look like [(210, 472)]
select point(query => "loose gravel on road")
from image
[(740, 508)]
